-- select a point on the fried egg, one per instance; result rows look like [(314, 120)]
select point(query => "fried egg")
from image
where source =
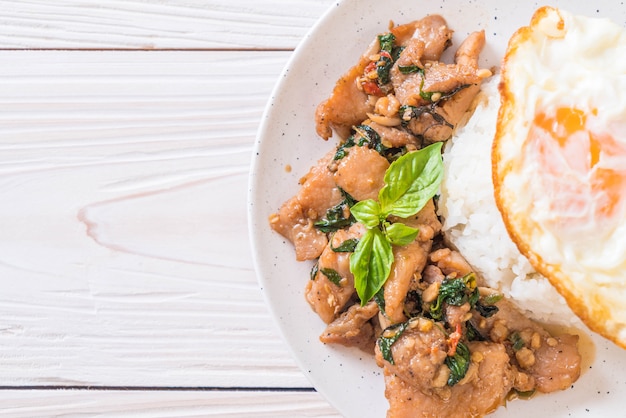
[(559, 160)]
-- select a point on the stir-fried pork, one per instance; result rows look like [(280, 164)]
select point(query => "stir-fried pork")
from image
[(295, 218), (409, 261), (349, 104), (448, 347), (333, 285), (353, 328), (439, 80), (416, 382), (361, 172), (432, 31), (553, 362), (393, 137), (450, 262)]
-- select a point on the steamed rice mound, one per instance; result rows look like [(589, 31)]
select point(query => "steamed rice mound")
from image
[(474, 225)]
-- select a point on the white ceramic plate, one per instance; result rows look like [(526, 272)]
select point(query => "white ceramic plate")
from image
[(347, 378)]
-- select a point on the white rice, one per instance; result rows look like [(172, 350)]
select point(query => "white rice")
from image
[(474, 225)]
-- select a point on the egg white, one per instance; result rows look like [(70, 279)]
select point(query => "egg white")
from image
[(546, 193)]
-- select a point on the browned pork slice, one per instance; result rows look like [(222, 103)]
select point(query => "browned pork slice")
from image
[(333, 285), (485, 390), (416, 384), (466, 57), (551, 363), (349, 104), (438, 77), (557, 363), (361, 173), (394, 137), (409, 261), (295, 218), (451, 263), (418, 355), (353, 328), (457, 83), (432, 32)]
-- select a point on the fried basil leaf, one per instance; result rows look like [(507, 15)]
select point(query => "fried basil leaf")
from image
[(332, 275), (458, 364), (389, 337)]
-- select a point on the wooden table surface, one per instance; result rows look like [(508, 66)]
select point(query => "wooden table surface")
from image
[(126, 136)]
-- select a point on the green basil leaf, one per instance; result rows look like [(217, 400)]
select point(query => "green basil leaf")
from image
[(386, 42), (367, 212), (492, 298), (427, 95), (332, 275), (347, 246), (472, 333), (413, 304), (335, 218), (370, 263), (396, 52), (516, 341), (408, 69), (486, 311), (458, 364), (526, 394), (314, 270), (389, 337), (411, 181), (400, 234), (379, 298), (452, 292)]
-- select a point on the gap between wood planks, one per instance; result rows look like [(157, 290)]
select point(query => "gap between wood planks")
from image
[(154, 388), (130, 49), (160, 388)]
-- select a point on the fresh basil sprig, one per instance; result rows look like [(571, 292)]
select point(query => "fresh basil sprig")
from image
[(410, 182)]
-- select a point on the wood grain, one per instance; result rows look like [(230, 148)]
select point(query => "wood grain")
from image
[(126, 131), (169, 24), (234, 404), (125, 257)]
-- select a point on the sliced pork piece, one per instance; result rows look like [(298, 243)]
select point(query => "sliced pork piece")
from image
[(361, 173), (353, 328), (426, 221), (557, 363), (432, 274), (454, 108), (450, 262), (409, 261), (416, 384), (418, 355), (295, 218), (553, 362), (349, 103), (432, 32), (480, 395), (411, 89), (440, 95), (393, 137), (333, 285)]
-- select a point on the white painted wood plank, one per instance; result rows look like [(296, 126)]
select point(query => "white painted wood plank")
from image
[(80, 403), (124, 256), (156, 24)]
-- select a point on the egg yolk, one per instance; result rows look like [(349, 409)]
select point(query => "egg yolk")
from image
[(578, 171)]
